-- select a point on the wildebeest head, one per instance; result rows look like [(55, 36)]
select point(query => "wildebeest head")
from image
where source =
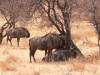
[(24, 32), (27, 34)]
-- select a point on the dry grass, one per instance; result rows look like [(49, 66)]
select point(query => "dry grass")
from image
[(16, 62), (78, 66)]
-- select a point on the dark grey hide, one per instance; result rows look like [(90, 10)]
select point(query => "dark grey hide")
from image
[(61, 55), (47, 42), (18, 32)]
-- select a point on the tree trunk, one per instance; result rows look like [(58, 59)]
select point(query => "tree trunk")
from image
[(69, 43), (68, 40), (67, 29)]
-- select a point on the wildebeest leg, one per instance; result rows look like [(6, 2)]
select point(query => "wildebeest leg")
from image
[(10, 40), (46, 52), (7, 39), (30, 57), (49, 55), (18, 39), (33, 56), (32, 53), (99, 41)]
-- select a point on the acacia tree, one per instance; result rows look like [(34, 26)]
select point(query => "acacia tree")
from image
[(59, 12), (93, 9), (14, 11), (60, 20), (95, 17)]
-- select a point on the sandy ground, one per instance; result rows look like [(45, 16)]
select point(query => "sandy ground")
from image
[(15, 60)]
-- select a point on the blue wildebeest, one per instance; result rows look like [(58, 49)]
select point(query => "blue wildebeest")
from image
[(61, 55), (18, 32), (47, 42)]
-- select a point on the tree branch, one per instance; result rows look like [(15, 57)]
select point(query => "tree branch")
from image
[(56, 17)]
